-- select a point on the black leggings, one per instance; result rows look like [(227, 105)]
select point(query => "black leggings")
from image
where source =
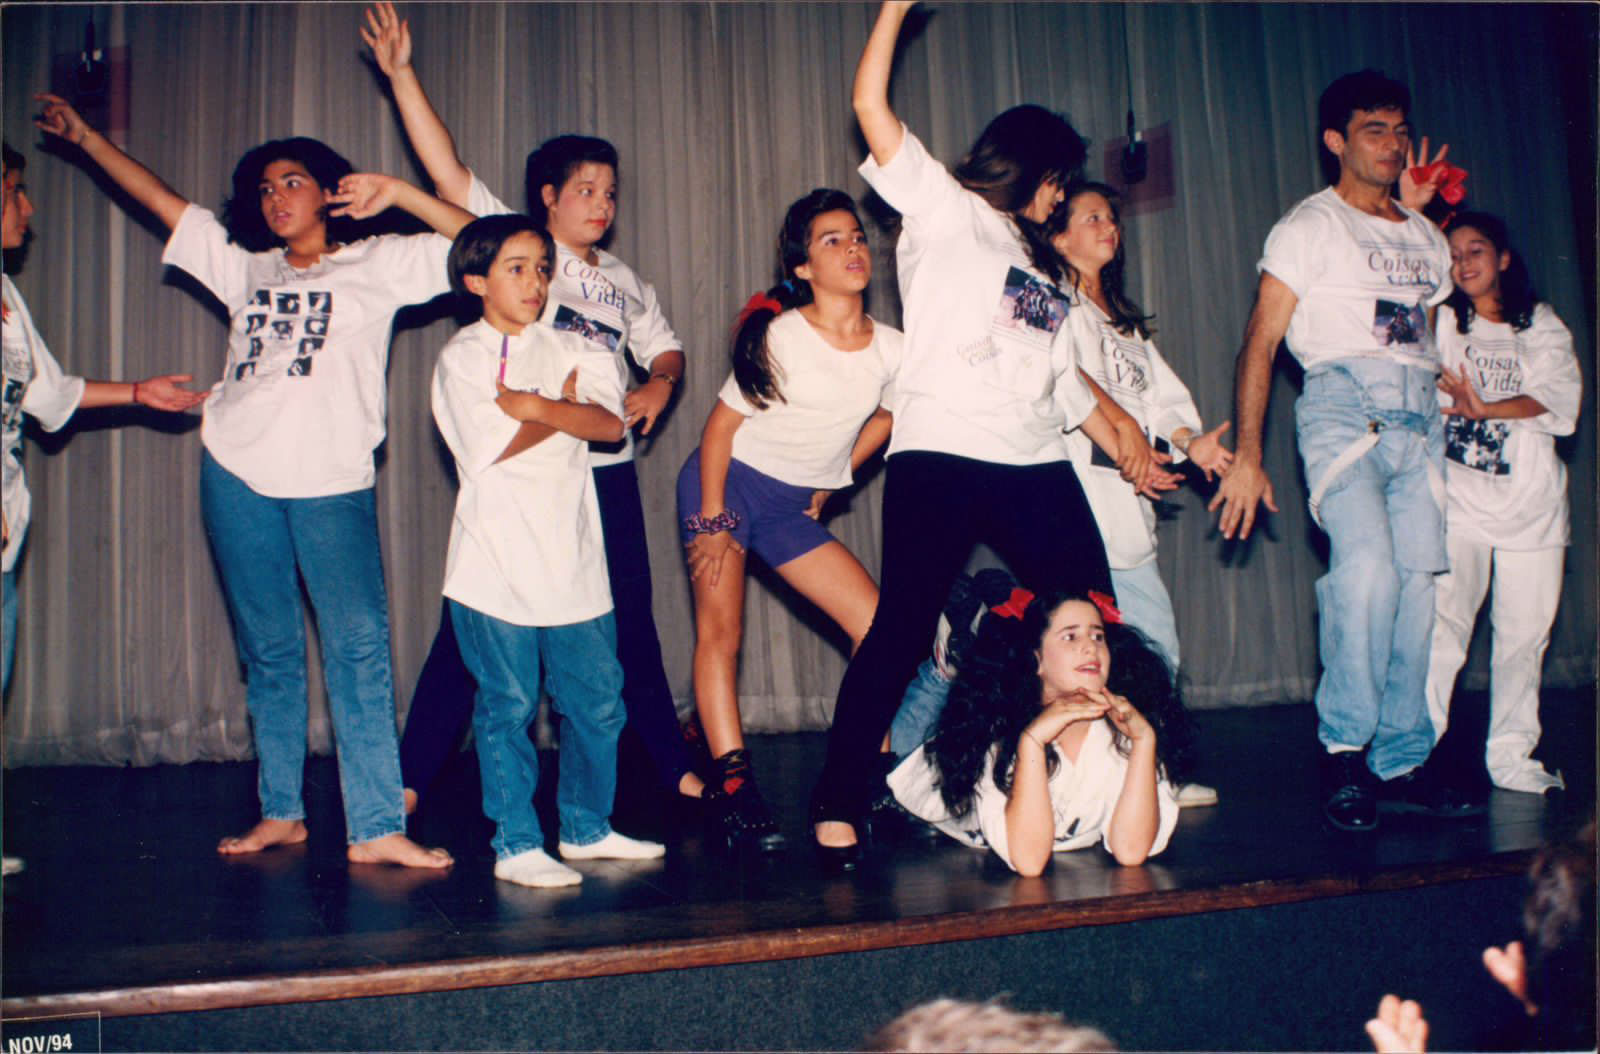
[(936, 508), (441, 706)]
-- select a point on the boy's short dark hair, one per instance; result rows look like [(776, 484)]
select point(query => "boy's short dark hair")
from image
[(554, 161), (1362, 90), (480, 241), (14, 161)]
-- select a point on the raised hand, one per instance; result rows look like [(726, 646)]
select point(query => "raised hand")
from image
[(1414, 195), (59, 119), (1399, 1027), (389, 37), (362, 195), (1509, 966)]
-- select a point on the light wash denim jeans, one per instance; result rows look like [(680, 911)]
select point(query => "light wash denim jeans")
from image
[(1385, 522), (260, 543), (9, 627), (1146, 605), (919, 710), (585, 682)]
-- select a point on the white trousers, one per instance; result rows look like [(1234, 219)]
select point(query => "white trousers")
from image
[(1527, 590)]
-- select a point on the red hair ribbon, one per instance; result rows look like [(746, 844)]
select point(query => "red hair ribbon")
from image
[(1015, 604), (757, 302), (1108, 608), (1450, 179)]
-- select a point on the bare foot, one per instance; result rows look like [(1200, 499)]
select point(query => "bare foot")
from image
[(691, 786), (264, 835), (834, 834), (411, 801), (397, 849)]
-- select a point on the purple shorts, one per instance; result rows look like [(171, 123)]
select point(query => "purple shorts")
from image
[(772, 514)]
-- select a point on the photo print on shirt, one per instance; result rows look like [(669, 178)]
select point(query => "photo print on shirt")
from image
[(292, 330), (1030, 307), (1478, 445), (572, 321), (1395, 325)]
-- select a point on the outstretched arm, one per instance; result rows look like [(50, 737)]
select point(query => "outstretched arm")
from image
[(60, 120), (165, 392), (870, 96), (1245, 483), (389, 37), (363, 195)]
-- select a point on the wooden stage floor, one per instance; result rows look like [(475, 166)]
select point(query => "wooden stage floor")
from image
[(125, 908)]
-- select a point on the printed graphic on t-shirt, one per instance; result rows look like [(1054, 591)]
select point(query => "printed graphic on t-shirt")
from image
[(1398, 325), (286, 326), (1479, 445), (1029, 307), (607, 337), (1494, 368), (1404, 266)]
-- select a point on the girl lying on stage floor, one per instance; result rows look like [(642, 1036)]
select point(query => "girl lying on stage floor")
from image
[(1059, 731)]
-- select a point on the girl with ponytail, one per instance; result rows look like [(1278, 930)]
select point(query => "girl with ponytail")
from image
[(1061, 730), (803, 408)]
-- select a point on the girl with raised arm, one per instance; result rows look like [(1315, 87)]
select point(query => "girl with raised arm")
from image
[(286, 479), (987, 385), (802, 409), (571, 188), (1057, 735), (1514, 385)]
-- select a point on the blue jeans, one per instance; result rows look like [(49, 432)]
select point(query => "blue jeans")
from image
[(1385, 522), (260, 543), (9, 645), (920, 708), (585, 682), (1146, 605)]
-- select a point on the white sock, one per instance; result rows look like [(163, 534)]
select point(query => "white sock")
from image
[(614, 846), (536, 868)]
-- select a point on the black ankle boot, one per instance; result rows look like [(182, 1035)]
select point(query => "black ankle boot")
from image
[(737, 813)]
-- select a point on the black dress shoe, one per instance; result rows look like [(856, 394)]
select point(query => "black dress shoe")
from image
[(835, 859), (1420, 791), (1351, 804)]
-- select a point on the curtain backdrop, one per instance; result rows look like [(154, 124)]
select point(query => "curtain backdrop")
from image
[(723, 113)]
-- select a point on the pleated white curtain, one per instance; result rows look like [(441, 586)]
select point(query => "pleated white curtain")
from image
[(723, 113)]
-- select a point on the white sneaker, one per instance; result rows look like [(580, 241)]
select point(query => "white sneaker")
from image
[(614, 846), (536, 868), (1195, 795)]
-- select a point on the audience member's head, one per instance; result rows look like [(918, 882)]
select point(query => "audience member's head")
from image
[(982, 1028), (1558, 935)]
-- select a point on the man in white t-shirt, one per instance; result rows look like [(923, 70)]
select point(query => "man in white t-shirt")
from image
[(1352, 278)]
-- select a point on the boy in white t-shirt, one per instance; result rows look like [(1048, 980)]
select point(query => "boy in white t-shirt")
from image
[(525, 576), (1352, 278)]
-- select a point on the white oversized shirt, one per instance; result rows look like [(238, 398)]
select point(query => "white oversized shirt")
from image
[(34, 384), (303, 399), (1364, 284), (605, 302), (806, 439), (525, 543), (1134, 374), (988, 371), (1083, 796), (1505, 486)]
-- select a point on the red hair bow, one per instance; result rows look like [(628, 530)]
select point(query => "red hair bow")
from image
[(1108, 608), (1450, 179), (757, 302), (1015, 604)]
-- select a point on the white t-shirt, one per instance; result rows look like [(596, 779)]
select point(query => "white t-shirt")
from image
[(606, 302), (1364, 284), (1083, 795), (1133, 373), (1506, 487), (988, 371), (525, 544), (806, 439), (34, 384), (303, 398)]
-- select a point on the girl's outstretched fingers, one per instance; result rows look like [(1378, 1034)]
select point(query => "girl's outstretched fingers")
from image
[(400, 850)]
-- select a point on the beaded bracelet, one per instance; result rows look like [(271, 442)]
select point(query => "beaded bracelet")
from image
[(726, 520)]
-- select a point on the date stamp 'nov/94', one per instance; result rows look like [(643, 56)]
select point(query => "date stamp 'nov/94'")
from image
[(51, 1035)]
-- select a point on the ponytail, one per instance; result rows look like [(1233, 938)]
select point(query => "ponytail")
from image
[(753, 369)]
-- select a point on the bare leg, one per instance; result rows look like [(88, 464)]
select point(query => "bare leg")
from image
[(833, 579), (719, 626), (264, 835), (397, 849)]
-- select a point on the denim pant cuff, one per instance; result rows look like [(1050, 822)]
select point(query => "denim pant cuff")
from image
[(354, 838), (600, 833)]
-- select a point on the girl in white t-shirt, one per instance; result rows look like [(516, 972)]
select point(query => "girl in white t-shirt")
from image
[(1059, 730), (987, 387), (803, 408), (286, 480), (1510, 372), (572, 190)]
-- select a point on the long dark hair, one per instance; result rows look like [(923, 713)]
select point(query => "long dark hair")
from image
[(241, 213), (753, 369), (1126, 315), (554, 161), (997, 693), (1021, 149), (1517, 295)]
